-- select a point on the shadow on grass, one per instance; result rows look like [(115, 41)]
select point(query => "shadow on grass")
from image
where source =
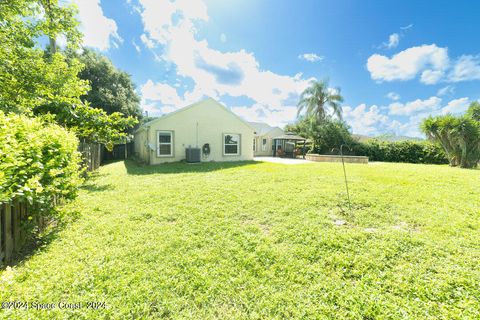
[(92, 187), (135, 168)]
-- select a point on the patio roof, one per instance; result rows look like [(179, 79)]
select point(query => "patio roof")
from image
[(289, 136)]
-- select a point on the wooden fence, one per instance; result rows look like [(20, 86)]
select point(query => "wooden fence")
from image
[(91, 155), (12, 233), (13, 219), (14, 215)]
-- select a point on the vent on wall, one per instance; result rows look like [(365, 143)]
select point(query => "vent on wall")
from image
[(192, 155)]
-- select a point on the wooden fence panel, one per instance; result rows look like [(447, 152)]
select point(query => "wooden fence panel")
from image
[(7, 229), (2, 234), (91, 155), (16, 226), (13, 235)]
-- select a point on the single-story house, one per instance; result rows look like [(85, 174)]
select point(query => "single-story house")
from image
[(206, 127), (263, 144)]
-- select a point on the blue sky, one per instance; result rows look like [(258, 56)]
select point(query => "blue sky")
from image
[(396, 62)]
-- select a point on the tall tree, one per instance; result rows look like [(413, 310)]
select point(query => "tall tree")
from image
[(38, 82), (111, 89), (318, 100), (28, 77)]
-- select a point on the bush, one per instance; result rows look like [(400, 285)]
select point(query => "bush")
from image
[(38, 160), (325, 136), (458, 135), (401, 151)]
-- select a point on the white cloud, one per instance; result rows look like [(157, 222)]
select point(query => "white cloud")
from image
[(146, 41), (99, 31), (403, 119), (365, 120), (416, 106), (393, 41), (279, 116), (161, 92), (311, 57), (393, 96), (407, 27), (432, 63), (446, 90), (456, 106), (467, 67), (136, 46), (173, 26), (429, 61)]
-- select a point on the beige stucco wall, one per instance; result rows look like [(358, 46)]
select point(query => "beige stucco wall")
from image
[(212, 120), (268, 148)]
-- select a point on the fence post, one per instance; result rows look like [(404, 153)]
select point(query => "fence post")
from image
[(23, 216), (8, 233), (16, 226), (2, 213)]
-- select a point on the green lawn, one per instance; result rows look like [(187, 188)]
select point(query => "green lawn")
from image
[(259, 240)]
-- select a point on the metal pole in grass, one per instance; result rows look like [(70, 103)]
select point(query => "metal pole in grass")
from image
[(345, 174)]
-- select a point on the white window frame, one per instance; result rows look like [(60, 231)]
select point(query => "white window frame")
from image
[(165, 143), (264, 145), (231, 144)]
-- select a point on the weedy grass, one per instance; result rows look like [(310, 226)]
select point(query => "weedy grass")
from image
[(260, 240)]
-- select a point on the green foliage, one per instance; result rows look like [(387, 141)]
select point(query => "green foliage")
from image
[(91, 124), (401, 151), (317, 99), (474, 111), (111, 89), (38, 160), (327, 135), (459, 136), (28, 76), (258, 241)]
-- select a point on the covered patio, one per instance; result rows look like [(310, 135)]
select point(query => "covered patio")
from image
[(286, 146)]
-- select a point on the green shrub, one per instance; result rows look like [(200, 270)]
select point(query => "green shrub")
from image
[(401, 151), (38, 160), (458, 135)]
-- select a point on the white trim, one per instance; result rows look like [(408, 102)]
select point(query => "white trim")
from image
[(164, 143), (238, 144)]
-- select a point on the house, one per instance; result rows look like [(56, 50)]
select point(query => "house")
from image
[(208, 125), (263, 139)]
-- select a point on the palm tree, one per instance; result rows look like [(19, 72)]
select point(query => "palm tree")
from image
[(319, 98)]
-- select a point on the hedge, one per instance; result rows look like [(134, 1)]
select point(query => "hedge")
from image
[(38, 161), (401, 151)]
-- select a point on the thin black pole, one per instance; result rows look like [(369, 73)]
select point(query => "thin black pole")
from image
[(345, 175)]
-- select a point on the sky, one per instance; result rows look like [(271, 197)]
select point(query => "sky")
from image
[(396, 62)]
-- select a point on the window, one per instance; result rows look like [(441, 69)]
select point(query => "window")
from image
[(165, 143), (254, 144), (231, 144), (264, 144)]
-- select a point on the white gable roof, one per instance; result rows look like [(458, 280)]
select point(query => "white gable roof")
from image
[(168, 115)]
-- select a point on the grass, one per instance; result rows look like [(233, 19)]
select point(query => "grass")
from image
[(259, 240)]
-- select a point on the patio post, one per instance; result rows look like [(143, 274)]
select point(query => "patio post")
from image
[(303, 149)]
